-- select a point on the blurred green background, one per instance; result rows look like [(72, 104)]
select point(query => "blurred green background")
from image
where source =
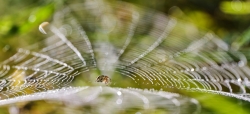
[(230, 20)]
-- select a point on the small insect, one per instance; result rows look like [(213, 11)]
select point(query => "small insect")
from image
[(103, 79), (41, 27)]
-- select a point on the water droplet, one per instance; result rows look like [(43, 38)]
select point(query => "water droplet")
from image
[(119, 101), (204, 68), (119, 93), (241, 64), (32, 18), (41, 27), (6, 48)]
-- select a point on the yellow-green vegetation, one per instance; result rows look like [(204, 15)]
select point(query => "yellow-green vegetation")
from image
[(228, 19)]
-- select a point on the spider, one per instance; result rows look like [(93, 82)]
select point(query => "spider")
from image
[(103, 79)]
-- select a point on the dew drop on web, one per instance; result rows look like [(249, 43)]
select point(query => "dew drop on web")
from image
[(42, 27)]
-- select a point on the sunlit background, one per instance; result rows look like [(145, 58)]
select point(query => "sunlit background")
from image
[(229, 20)]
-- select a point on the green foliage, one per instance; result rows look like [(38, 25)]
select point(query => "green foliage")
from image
[(17, 29)]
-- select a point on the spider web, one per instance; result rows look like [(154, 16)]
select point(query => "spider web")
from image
[(120, 100), (135, 47)]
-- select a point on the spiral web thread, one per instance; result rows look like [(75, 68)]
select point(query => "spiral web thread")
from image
[(151, 49)]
